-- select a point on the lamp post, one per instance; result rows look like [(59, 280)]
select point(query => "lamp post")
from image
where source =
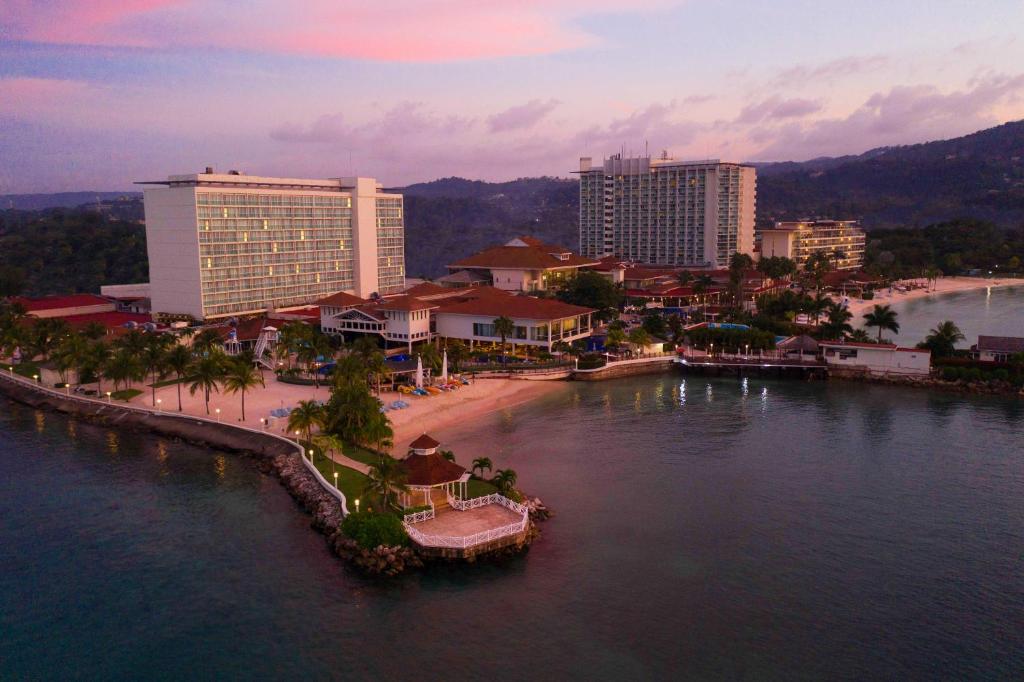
[(108, 396), (35, 377), (218, 414), (357, 505), (159, 402), (335, 480), (311, 455)]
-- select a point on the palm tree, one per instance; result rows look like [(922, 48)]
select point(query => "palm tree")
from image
[(152, 357), (481, 464), (859, 336), (505, 480), (817, 305), (97, 359), (640, 337), (205, 374), (932, 273), (179, 361), (94, 331), (123, 367), (838, 324), (240, 377), (457, 353), (700, 289), (206, 342), (838, 254), (327, 442), (386, 477), (883, 317), (306, 415), (447, 454), (942, 340), (504, 327)]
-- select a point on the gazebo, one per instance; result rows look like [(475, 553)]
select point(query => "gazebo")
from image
[(428, 473)]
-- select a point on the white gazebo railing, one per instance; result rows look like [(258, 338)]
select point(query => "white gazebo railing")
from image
[(493, 498), (466, 541), (416, 517)]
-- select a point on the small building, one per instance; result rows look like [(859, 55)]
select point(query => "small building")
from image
[(997, 348), (799, 347), (879, 359), (66, 306), (524, 264), (536, 321), (430, 477)]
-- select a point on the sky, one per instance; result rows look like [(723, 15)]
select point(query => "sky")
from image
[(98, 94)]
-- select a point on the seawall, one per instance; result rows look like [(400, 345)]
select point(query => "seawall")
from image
[(625, 368)]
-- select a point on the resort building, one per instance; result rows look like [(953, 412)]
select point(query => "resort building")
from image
[(523, 264), (428, 311), (878, 359), (228, 244), (662, 211), (997, 348), (841, 240)]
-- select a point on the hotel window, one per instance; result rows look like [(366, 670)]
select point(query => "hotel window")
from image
[(209, 262), (265, 224)]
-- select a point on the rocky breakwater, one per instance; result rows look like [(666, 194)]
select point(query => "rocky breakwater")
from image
[(382, 560)]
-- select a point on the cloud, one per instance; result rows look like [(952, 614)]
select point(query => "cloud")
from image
[(905, 114), (776, 108), (387, 30), (829, 71), (522, 116)]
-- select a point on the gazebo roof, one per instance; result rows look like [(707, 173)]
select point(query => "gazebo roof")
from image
[(432, 469), (802, 343), (424, 442)]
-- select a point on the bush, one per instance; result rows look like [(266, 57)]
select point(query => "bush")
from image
[(591, 362), (1001, 375), (950, 373), (370, 530), (868, 295)]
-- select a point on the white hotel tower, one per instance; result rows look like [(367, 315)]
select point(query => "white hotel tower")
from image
[(667, 212), (224, 244)]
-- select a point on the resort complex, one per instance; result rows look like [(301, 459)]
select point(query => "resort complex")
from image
[(223, 244), (668, 212), (840, 241)]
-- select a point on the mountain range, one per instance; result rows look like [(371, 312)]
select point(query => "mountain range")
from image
[(978, 176)]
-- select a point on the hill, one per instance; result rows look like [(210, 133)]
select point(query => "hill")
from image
[(978, 176), (38, 202)]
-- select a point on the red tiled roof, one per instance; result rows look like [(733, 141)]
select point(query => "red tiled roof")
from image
[(522, 257), (522, 307), (1001, 344), (109, 320), (426, 289), (424, 442), (432, 469), (858, 344), (405, 303), (59, 302), (341, 300)]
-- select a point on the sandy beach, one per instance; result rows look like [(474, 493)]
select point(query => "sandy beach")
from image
[(424, 414), (944, 285)]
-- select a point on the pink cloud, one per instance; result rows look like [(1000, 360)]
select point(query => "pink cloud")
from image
[(776, 108), (521, 116), (387, 30)]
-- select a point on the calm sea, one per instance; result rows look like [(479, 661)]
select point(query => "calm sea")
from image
[(998, 311), (705, 529)]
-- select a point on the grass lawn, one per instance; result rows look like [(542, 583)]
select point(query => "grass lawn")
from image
[(26, 369), (361, 454), (350, 482), (475, 488), (126, 394)]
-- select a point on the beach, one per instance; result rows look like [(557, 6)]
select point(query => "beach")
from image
[(944, 285), (425, 414)]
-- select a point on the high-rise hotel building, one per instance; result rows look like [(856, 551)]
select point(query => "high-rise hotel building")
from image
[(667, 212), (223, 244), (843, 241)]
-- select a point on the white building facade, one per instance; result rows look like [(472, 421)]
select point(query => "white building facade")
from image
[(230, 244), (841, 240), (879, 359), (662, 211)]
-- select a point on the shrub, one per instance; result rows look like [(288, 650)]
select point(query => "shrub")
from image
[(972, 374), (1001, 375), (868, 295), (950, 373), (591, 362), (371, 529)]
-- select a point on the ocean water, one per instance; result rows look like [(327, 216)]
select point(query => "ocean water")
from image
[(998, 311), (705, 528)]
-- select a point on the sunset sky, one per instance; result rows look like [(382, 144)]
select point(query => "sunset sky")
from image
[(97, 94)]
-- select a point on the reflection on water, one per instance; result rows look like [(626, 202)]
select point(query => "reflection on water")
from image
[(113, 442), (40, 421)]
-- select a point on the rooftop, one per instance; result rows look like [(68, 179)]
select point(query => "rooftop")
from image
[(527, 253), (341, 300), (61, 302), (521, 307), (1001, 344), (430, 469), (405, 302)]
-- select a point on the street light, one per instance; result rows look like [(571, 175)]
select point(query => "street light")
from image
[(159, 401), (357, 505), (311, 455), (108, 396), (36, 377), (335, 480), (218, 413)]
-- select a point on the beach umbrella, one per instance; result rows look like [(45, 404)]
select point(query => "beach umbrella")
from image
[(444, 367), (419, 372)]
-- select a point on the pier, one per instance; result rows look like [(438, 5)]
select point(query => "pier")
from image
[(769, 363)]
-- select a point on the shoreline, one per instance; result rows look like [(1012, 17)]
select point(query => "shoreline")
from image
[(942, 286)]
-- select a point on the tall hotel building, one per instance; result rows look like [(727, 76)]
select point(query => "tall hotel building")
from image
[(667, 212), (233, 244), (841, 240)]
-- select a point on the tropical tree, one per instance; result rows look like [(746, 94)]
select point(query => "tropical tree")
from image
[(458, 353), (206, 373), (97, 358), (504, 327), (306, 415), (123, 367), (207, 342), (640, 337), (178, 361), (153, 358), (505, 480), (385, 479), (817, 305), (942, 340), (701, 286), (328, 442), (94, 331), (859, 335), (738, 264), (838, 254), (614, 338), (932, 273), (593, 290), (884, 318), (837, 325), (817, 266), (239, 377), (430, 357), (481, 464)]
